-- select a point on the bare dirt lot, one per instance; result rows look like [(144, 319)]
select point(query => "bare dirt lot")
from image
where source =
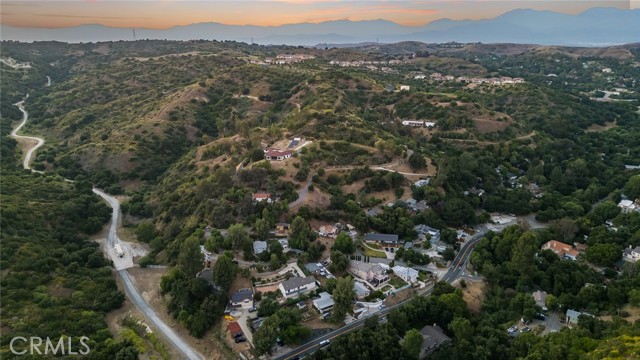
[(398, 297), (634, 314), (474, 293), (485, 126), (598, 128)]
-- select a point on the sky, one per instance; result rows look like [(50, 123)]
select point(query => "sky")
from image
[(162, 14)]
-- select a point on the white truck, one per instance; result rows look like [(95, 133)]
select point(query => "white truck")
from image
[(119, 250)]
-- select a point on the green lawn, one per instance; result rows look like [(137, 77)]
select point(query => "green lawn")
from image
[(397, 282), (373, 253)]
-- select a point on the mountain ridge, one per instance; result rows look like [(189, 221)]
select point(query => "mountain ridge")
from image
[(544, 27)]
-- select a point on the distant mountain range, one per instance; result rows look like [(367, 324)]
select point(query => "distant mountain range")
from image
[(593, 27)]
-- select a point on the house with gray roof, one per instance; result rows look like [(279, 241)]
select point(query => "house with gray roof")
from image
[(324, 304), (296, 286), (432, 338), (361, 290), (242, 298), (572, 316), (387, 241), (259, 247)]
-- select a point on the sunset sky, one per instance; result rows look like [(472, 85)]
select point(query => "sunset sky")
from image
[(159, 14)]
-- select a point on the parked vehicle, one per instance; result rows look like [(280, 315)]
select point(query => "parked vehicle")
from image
[(526, 329), (539, 317), (119, 250), (240, 339)]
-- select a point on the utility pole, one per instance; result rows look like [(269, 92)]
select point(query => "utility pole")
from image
[(134, 34)]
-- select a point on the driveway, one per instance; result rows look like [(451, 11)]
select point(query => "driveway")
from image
[(242, 321), (552, 323)]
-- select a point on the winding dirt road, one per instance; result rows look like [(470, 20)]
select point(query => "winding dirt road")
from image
[(32, 142)]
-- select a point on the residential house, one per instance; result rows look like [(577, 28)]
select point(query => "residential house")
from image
[(405, 87), (242, 298), (274, 154), (461, 235), (296, 286), (313, 268), (429, 124), (260, 197), (259, 247), (405, 273), (420, 206), (580, 248), (327, 231), (285, 245), (411, 202), (377, 210), (628, 206), (572, 316), (631, 255), (414, 123), (563, 250), (432, 338), (424, 230), (374, 274), (540, 297), (387, 241), (206, 274), (324, 304), (207, 255), (361, 290), (282, 229)]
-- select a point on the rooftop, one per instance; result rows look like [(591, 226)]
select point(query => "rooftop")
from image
[(261, 195), (275, 152), (297, 282), (384, 238), (324, 302), (312, 267), (360, 289), (259, 247), (432, 337), (366, 267), (242, 295)]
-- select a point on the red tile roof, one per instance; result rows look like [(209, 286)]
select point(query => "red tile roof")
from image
[(234, 328), (276, 153), (261, 195)]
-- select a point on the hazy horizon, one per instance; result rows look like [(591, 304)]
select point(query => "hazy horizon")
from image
[(162, 14)]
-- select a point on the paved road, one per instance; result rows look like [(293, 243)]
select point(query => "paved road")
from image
[(302, 195), (126, 261), (130, 289), (312, 346), (30, 148)]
